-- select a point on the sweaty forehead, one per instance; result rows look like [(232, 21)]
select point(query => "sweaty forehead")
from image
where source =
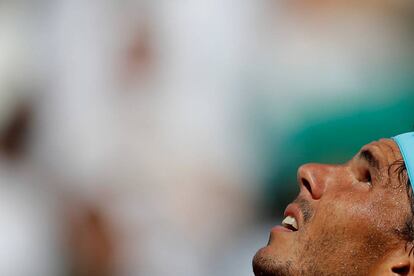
[(386, 151)]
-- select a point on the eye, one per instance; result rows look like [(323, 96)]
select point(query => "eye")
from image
[(366, 176)]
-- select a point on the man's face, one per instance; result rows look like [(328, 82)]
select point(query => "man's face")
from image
[(348, 217)]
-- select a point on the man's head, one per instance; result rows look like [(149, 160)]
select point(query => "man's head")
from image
[(351, 219)]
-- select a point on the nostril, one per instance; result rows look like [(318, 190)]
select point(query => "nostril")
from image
[(401, 270), (307, 185)]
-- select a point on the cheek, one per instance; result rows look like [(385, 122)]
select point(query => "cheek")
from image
[(360, 216), (351, 220), (347, 230)]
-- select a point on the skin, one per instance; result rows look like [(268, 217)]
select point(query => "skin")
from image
[(350, 218)]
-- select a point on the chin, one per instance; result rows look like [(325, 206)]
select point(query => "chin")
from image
[(267, 264), (269, 261)]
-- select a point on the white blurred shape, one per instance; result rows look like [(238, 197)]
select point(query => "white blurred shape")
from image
[(28, 231)]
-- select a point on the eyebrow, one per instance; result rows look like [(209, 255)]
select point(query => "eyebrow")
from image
[(369, 158)]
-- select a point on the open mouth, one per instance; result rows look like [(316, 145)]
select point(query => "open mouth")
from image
[(290, 223)]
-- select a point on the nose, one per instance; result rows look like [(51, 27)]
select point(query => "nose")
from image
[(312, 179)]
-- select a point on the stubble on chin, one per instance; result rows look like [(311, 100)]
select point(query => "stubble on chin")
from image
[(264, 265)]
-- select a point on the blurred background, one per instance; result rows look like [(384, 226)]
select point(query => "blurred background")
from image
[(163, 137)]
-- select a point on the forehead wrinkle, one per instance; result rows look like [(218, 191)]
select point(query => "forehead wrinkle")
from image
[(395, 150), (386, 150)]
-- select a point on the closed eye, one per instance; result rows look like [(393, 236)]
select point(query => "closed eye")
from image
[(372, 162), (367, 176)]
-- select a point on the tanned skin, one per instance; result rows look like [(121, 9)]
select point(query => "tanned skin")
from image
[(353, 219)]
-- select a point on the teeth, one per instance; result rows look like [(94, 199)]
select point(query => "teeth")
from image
[(290, 221)]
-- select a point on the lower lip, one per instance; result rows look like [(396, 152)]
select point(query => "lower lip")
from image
[(280, 228)]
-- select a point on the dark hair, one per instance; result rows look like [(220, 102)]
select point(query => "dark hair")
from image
[(407, 233)]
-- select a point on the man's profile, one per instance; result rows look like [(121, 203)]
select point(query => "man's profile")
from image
[(351, 219)]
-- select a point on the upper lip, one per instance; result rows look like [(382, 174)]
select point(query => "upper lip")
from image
[(293, 210)]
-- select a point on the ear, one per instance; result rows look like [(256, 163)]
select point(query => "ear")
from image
[(398, 262)]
